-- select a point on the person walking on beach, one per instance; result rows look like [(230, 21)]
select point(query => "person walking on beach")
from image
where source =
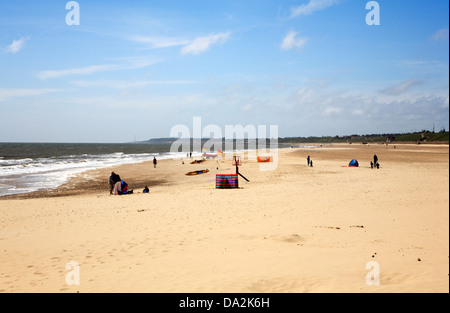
[(155, 162), (375, 160), (113, 180), (311, 163), (308, 159)]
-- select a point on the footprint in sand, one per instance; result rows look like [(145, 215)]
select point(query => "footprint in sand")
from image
[(37, 273), (329, 227), (295, 238)]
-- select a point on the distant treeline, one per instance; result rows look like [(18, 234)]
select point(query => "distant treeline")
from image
[(417, 137), (420, 137)]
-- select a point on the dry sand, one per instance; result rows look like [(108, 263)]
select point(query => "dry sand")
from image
[(296, 229)]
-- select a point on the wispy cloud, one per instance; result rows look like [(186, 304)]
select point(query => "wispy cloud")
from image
[(311, 7), (89, 70), (188, 46), (16, 45), (332, 111), (123, 85), (445, 103), (8, 94), (401, 88), (76, 71), (160, 42), (291, 41), (441, 34), (347, 111), (203, 44)]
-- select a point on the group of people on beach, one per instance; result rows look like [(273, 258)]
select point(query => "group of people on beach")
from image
[(373, 164), (119, 187), (310, 161)]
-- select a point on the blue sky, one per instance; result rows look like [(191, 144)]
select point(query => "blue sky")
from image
[(138, 68)]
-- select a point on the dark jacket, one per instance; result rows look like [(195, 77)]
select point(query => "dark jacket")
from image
[(113, 179)]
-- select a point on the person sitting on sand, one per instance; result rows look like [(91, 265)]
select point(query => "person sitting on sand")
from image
[(113, 179), (121, 188), (146, 190)]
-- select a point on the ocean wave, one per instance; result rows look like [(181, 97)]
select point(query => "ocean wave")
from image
[(7, 162)]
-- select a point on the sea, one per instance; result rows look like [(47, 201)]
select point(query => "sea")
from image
[(30, 167)]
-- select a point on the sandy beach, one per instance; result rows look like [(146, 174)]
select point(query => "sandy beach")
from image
[(297, 229)]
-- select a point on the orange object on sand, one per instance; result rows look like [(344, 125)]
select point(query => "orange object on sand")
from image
[(265, 159), (198, 161)]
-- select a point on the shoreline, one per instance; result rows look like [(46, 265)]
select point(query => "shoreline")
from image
[(97, 178), (89, 181)]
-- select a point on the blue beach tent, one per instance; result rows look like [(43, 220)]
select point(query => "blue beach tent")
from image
[(354, 163)]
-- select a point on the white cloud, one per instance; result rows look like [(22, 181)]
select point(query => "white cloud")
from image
[(16, 45), (123, 85), (401, 88), (332, 111), (165, 103), (358, 112), (202, 44), (311, 7), (189, 46), (8, 94), (441, 34), (344, 111), (89, 70), (291, 41), (160, 42), (76, 71)]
